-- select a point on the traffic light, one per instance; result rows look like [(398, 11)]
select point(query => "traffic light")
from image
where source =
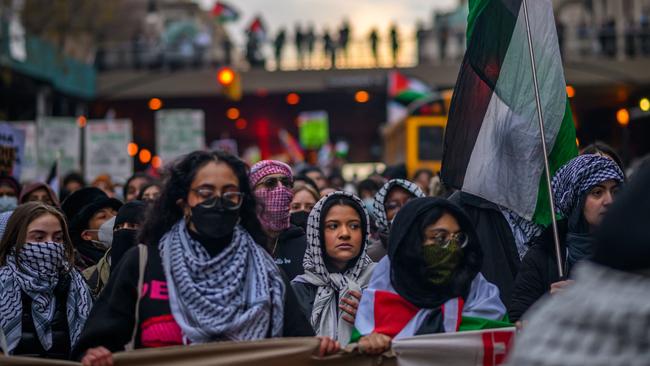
[(230, 82)]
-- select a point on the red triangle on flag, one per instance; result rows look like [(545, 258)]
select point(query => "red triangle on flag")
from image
[(392, 313)]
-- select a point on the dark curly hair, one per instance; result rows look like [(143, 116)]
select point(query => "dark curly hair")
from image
[(165, 212)]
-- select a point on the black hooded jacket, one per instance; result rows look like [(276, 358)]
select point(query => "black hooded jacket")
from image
[(500, 257), (290, 250), (538, 271)]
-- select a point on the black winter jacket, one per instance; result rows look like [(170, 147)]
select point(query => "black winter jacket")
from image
[(290, 250), (500, 256), (537, 272), (29, 344)]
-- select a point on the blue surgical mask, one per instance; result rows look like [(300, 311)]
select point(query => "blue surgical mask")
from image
[(8, 203), (368, 203)]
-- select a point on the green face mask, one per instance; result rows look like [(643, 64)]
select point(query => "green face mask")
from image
[(441, 262)]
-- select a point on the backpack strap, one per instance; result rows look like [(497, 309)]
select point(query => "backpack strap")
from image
[(142, 249)]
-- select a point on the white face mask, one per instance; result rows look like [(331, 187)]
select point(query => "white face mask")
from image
[(105, 233), (8, 203)]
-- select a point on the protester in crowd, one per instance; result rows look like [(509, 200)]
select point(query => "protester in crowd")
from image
[(272, 184), (367, 190), (121, 233), (150, 192), (337, 267), (105, 183), (300, 180), (72, 182), (430, 275), (422, 178), (9, 192), (304, 199), (86, 211), (317, 175), (326, 191), (208, 275), (134, 184), (388, 201), (583, 190), (44, 300), (337, 181), (603, 319), (39, 192), (505, 239)]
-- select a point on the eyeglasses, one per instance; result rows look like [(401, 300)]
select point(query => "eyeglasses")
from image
[(228, 200), (444, 238), (272, 182)]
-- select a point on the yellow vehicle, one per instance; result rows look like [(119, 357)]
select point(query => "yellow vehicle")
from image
[(417, 140)]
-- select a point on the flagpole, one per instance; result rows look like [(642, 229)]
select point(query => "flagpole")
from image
[(540, 117)]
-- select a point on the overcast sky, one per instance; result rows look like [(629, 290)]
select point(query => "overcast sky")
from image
[(363, 14)]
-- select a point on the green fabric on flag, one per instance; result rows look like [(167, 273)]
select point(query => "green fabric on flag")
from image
[(356, 336), (469, 323), (564, 149), (475, 9)]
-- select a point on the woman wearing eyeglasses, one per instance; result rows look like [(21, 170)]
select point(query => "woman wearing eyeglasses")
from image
[(429, 277), (392, 196), (272, 184), (207, 276)]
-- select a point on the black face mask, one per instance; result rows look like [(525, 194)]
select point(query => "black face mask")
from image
[(123, 240), (299, 218), (214, 221)]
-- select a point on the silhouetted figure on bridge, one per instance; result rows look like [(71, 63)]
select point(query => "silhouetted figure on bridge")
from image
[(394, 42), (310, 40), (278, 44), (344, 38), (299, 40), (374, 43), (329, 46)]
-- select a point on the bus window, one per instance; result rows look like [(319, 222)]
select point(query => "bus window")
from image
[(430, 140)]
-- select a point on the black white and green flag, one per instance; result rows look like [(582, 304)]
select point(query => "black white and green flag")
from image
[(492, 145)]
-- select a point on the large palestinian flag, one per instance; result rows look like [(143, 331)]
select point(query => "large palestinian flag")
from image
[(492, 145)]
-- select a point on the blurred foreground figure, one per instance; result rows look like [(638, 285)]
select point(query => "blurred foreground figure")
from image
[(604, 318)]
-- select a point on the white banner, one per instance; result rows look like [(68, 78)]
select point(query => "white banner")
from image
[(106, 149), (59, 136), (178, 132), (472, 348), (29, 169)]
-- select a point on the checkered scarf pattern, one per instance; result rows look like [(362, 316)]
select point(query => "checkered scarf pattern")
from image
[(37, 274), (602, 319), (522, 230), (378, 210), (237, 295), (267, 167), (326, 317), (578, 176)]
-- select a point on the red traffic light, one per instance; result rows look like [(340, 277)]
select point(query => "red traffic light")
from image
[(225, 76)]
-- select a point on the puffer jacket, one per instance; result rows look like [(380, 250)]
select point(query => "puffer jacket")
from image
[(29, 344)]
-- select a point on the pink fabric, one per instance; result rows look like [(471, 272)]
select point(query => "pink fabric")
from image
[(275, 214), (160, 331), (268, 167)]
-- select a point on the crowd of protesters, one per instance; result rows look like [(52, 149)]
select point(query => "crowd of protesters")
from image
[(217, 250)]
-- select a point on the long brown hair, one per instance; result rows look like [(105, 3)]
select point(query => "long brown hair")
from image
[(16, 231)]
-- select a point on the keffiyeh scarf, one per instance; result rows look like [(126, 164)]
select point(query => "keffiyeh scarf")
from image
[(326, 318), (40, 267), (379, 212), (237, 295), (578, 176)]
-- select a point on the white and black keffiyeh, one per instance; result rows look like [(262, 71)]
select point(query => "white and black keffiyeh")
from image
[(522, 230), (38, 272), (237, 295), (378, 210), (326, 318), (578, 176)]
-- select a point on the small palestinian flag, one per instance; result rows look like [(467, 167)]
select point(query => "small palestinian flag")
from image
[(402, 91), (492, 145), (383, 310), (224, 13), (291, 145), (257, 29)]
